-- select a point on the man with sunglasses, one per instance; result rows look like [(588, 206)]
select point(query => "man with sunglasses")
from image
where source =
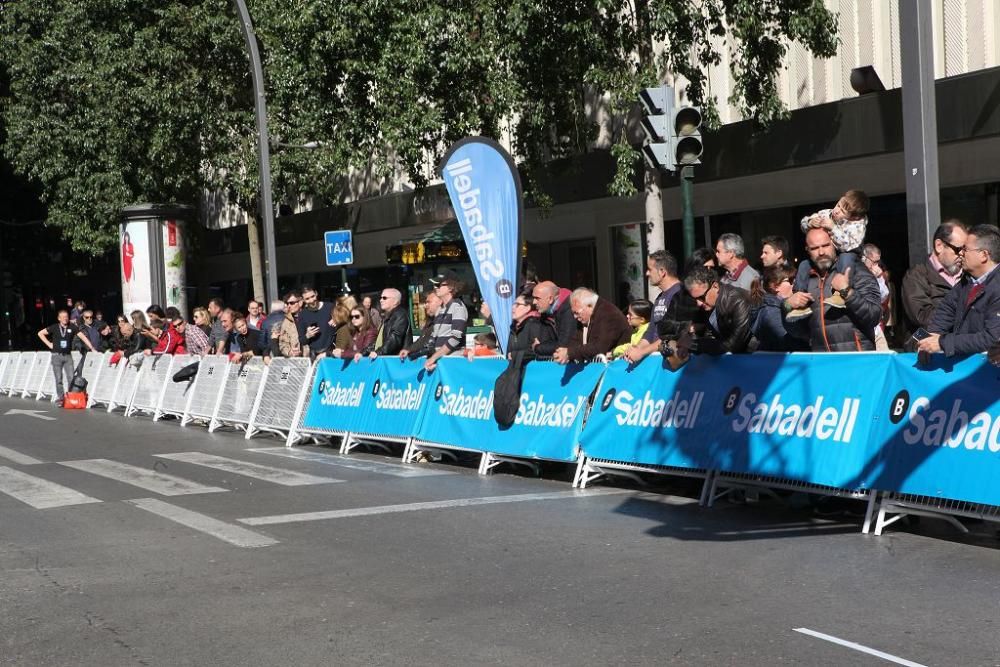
[(968, 319), (195, 340), (927, 284), (729, 313), (284, 335), (394, 333)]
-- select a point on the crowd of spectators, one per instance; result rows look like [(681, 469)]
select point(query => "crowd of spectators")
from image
[(839, 298)]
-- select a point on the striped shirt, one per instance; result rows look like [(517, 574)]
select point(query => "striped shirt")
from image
[(449, 326)]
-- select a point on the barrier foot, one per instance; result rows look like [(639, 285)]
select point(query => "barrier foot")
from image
[(489, 461), (712, 496), (904, 511), (706, 489), (580, 463), (872, 500)]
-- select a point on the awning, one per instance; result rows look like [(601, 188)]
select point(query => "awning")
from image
[(443, 242)]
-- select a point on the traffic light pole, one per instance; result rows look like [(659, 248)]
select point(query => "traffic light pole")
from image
[(687, 195)]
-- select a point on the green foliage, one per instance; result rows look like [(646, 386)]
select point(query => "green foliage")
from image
[(115, 102)]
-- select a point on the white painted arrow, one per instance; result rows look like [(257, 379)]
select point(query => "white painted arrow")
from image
[(37, 414)]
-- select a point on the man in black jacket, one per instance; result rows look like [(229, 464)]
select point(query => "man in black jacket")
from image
[(394, 334), (927, 284), (968, 319), (554, 304), (830, 328), (730, 313)]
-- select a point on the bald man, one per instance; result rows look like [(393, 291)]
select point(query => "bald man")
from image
[(394, 334), (554, 304)]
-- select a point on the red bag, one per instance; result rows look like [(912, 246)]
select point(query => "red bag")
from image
[(75, 400)]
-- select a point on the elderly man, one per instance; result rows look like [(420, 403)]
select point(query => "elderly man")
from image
[(730, 252), (424, 345), (394, 334), (968, 319), (604, 328), (729, 310), (224, 343), (927, 284), (661, 269), (552, 303), (847, 329)]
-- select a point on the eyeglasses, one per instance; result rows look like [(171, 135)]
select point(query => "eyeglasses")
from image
[(88, 317), (520, 303), (965, 250), (179, 324), (957, 249), (383, 298)]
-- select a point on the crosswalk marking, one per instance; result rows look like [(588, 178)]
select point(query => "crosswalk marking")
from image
[(18, 457), (165, 485), (257, 471), (226, 532), (382, 468), (424, 506), (39, 493)]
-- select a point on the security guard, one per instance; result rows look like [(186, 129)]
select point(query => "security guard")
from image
[(59, 339)]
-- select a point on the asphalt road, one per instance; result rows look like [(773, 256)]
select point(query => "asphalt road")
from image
[(124, 542)]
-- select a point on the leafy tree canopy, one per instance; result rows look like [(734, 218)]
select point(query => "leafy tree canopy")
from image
[(113, 102)]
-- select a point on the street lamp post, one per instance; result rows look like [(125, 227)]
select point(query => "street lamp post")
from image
[(263, 147)]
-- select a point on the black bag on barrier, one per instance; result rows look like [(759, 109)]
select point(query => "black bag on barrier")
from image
[(79, 383), (187, 373), (507, 391)]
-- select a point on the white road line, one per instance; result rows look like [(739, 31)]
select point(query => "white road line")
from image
[(18, 457), (859, 647), (226, 532), (417, 507), (165, 485), (39, 493), (380, 467), (257, 471)]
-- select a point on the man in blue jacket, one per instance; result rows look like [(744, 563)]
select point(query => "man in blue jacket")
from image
[(968, 319)]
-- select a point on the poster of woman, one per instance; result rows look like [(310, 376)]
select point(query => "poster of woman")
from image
[(134, 250)]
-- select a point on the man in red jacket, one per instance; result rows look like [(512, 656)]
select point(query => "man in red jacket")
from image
[(170, 342)]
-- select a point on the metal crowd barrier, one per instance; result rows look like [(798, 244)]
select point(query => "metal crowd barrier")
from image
[(155, 371), (127, 382), (900, 505), (204, 401), (20, 377), (40, 365), (8, 360), (274, 399), (283, 388), (238, 394), (107, 382), (175, 395)]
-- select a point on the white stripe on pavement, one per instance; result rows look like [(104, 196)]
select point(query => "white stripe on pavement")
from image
[(39, 493), (255, 470), (18, 457), (430, 505), (226, 532), (859, 647), (165, 485), (380, 467)]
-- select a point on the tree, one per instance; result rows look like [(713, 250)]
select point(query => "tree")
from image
[(118, 101)]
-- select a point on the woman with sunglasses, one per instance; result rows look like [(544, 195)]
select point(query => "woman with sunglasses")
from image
[(528, 329), (362, 334)]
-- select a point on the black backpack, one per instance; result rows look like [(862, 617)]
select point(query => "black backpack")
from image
[(507, 391)]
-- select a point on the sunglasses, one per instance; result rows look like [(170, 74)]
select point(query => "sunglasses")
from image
[(383, 298), (356, 317), (291, 303)]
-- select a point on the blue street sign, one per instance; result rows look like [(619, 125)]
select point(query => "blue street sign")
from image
[(339, 247)]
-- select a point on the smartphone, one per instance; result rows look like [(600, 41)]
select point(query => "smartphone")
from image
[(920, 334)]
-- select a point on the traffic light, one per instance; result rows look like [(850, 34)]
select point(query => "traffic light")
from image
[(686, 142), (674, 134), (658, 104)]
